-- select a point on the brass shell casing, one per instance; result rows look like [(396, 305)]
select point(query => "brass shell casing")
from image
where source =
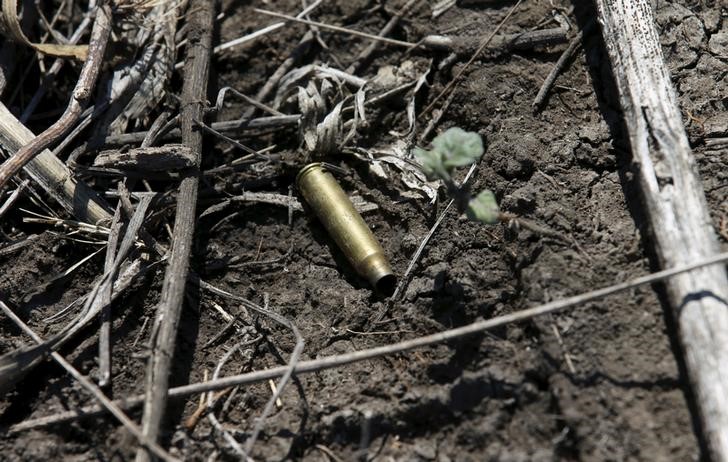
[(336, 212)]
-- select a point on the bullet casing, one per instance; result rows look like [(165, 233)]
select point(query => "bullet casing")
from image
[(344, 224)]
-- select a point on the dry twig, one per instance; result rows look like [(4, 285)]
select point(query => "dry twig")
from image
[(338, 29), (105, 296), (364, 56), (558, 68), (228, 126), (395, 348), (200, 15), (266, 30), (13, 198), (109, 405), (477, 53), (81, 94)]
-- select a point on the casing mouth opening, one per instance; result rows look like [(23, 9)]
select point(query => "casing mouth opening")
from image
[(386, 285)]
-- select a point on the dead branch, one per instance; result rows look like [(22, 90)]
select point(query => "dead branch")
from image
[(105, 296), (200, 16), (266, 30), (558, 68), (524, 41), (13, 197)]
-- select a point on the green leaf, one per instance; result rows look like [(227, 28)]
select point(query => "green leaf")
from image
[(484, 208), (432, 163), (458, 147)]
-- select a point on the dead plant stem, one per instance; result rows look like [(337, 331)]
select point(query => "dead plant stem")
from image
[(107, 404), (334, 361), (200, 17), (80, 96)]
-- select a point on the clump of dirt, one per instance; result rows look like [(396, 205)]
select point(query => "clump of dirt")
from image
[(599, 382)]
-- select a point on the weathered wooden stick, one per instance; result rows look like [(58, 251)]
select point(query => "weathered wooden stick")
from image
[(104, 374), (52, 175), (676, 207), (200, 15), (149, 159)]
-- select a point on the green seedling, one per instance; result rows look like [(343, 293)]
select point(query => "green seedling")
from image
[(484, 208), (452, 149)]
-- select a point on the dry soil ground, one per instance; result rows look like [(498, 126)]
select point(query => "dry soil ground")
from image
[(600, 382)]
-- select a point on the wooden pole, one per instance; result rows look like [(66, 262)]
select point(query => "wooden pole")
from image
[(682, 230)]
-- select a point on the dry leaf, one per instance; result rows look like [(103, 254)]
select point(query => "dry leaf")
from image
[(10, 27)]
